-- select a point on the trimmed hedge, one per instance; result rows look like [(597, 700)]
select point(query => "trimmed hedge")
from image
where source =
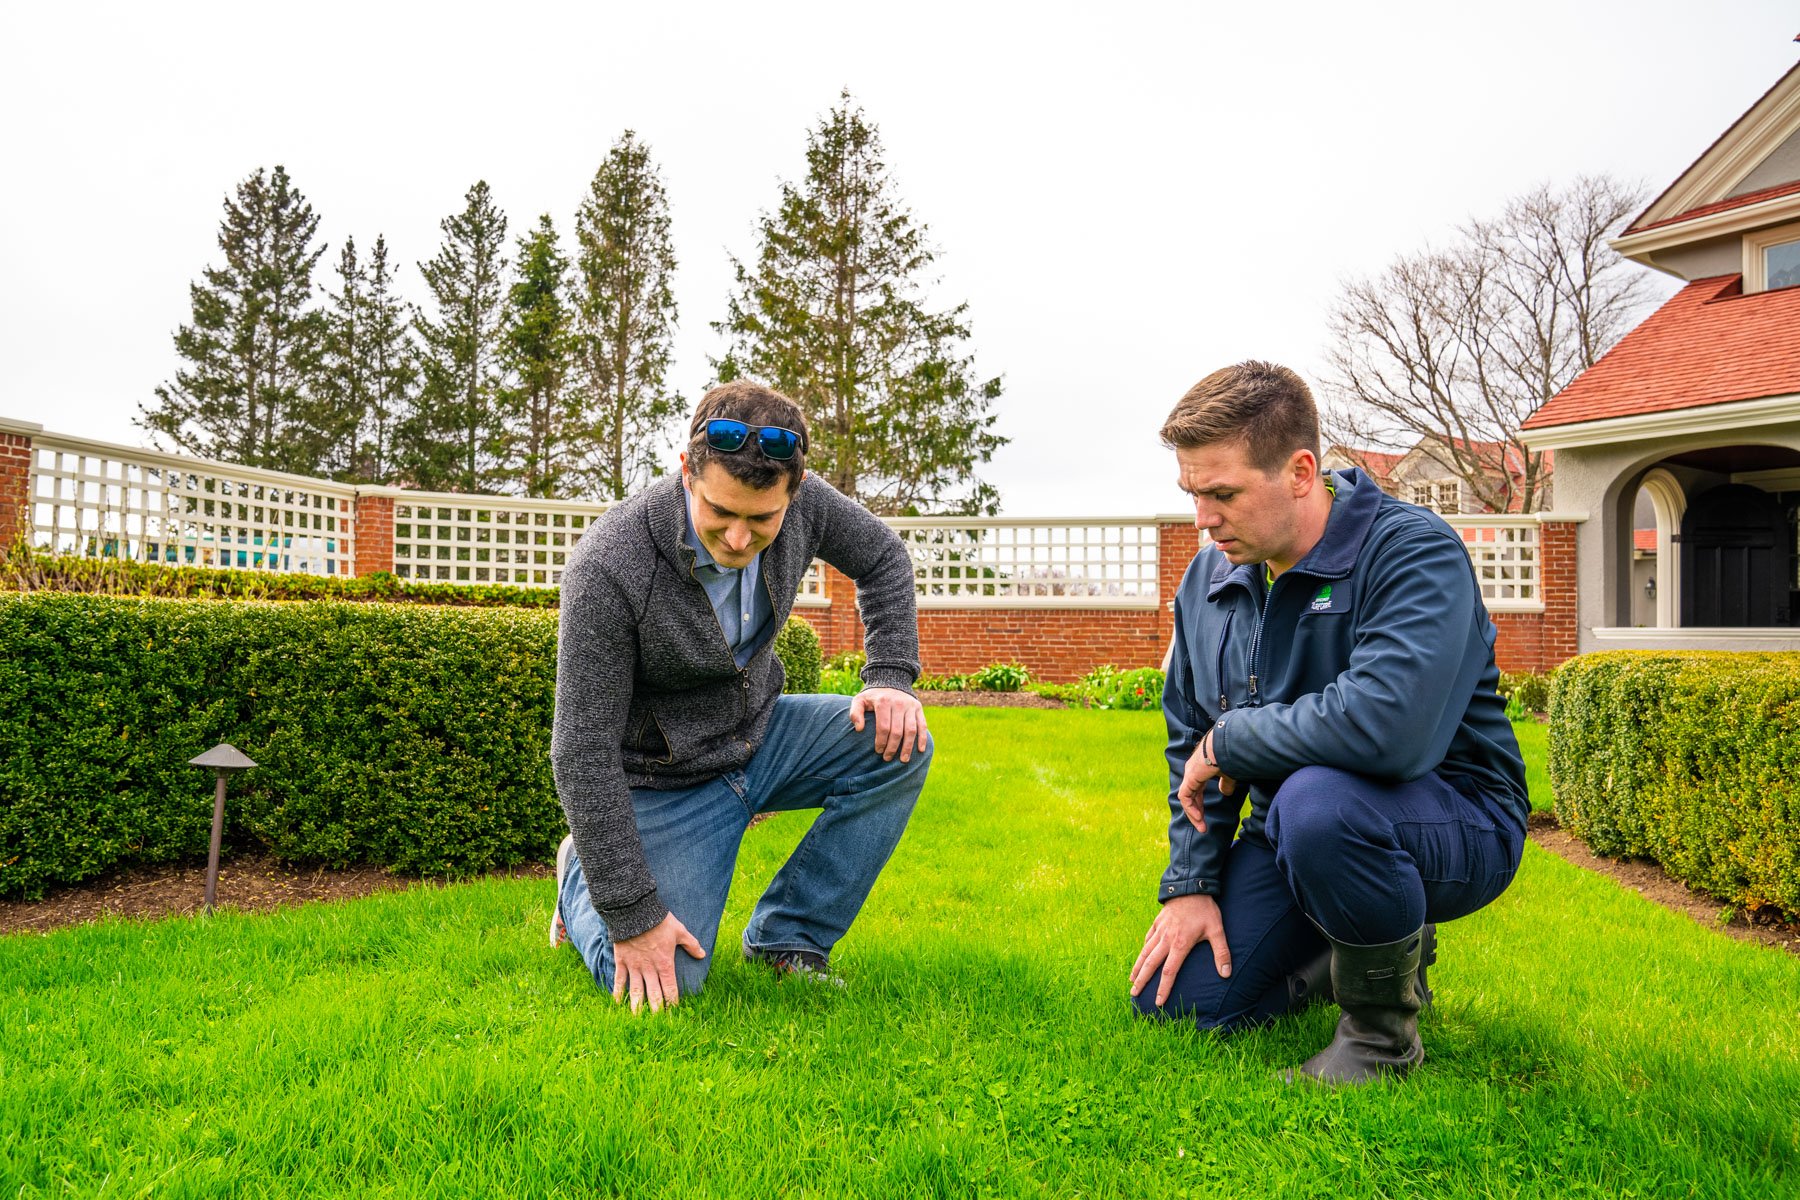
[(797, 646), (1689, 758), (410, 737), (25, 570)]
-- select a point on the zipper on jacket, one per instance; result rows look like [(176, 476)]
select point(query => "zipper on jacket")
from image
[(1224, 640), (1262, 615)]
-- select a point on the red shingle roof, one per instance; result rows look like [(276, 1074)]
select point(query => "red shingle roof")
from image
[(1706, 210), (1709, 344), (1644, 540)]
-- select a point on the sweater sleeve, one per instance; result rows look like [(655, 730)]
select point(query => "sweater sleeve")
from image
[(596, 658), (861, 545), (1417, 654)]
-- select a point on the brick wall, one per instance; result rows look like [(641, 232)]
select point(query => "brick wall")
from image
[(1062, 644), (15, 487)]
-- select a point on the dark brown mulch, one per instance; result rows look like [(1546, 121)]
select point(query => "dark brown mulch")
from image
[(247, 882), (1649, 880), (988, 700)]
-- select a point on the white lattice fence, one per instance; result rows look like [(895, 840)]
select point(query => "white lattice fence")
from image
[(99, 500), (1504, 553), (447, 538), (1078, 563)]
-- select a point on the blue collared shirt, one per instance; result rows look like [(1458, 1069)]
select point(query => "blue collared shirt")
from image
[(738, 597)]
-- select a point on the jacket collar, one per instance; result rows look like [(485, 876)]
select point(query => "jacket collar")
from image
[(1334, 556)]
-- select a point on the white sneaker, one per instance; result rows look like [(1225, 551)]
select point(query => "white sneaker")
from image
[(559, 935)]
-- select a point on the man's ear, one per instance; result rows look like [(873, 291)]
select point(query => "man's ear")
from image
[(684, 469), (1303, 468)]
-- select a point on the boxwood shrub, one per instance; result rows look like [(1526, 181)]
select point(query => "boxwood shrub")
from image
[(1688, 758), (407, 736)]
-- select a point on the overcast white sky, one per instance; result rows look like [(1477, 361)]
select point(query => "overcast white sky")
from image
[(1126, 200)]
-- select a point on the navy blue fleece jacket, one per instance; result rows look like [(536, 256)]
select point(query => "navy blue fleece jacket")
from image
[(1372, 654)]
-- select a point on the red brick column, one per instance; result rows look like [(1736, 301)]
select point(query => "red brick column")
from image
[(1177, 541), (15, 487), (374, 534), (1557, 574)]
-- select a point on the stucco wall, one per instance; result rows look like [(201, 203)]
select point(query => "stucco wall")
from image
[(1783, 166)]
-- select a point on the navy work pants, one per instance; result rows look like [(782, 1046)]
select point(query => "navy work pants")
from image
[(1368, 861)]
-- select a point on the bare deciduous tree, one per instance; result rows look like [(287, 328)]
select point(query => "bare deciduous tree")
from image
[(1455, 347)]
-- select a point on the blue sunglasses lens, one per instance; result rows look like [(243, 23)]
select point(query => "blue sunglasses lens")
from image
[(778, 443), (727, 435)]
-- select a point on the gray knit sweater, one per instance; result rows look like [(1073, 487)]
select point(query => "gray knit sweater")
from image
[(647, 691)]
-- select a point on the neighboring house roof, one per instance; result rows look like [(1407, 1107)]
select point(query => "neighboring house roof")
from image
[(1644, 540), (1377, 464), (1709, 344)]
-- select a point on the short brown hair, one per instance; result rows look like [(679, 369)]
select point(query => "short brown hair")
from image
[(1268, 407), (755, 405)]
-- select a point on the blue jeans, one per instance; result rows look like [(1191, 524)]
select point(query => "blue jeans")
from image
[(1365, 861), (811, 757)]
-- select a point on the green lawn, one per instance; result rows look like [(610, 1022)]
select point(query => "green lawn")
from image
[(427, 1043)]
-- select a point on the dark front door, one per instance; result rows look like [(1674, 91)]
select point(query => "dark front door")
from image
[(1734, 559)]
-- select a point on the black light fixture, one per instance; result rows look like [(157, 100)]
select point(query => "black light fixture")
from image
[(224, 759)]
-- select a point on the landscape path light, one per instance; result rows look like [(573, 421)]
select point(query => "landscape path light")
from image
[(223, 758)]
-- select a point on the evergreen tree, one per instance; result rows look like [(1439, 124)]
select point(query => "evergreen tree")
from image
[(253, 345), (624, 320), (536, 350), (455, 437), (832, 312), (341, 392), (391, 369)]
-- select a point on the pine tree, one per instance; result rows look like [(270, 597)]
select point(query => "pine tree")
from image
[(253, 345), (536, 349), (624, 320), (392, 369), (341, 392), (832, 312), (455, 437)]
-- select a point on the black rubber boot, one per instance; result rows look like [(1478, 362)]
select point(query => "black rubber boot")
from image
[(1311, 984), (1378, 1033)]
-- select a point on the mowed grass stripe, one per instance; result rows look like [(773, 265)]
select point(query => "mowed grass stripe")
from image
[(427, 1043)]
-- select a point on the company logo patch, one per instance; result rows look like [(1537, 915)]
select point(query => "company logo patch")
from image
[(1322, 601)]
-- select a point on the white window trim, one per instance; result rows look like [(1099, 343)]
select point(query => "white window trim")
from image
[(1755, 276)]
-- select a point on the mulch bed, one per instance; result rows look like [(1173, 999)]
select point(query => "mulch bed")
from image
[(247, 882), (988, 700), (1649, 880)]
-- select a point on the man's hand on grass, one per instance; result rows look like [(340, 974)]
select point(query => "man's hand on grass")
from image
[(1183, 923), (899, 721), (1192, 791), (644, 966)]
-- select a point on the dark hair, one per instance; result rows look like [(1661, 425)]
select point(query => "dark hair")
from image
[(1268, 407), (754, 405)]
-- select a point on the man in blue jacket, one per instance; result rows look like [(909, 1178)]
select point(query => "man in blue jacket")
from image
[(1333, 663)]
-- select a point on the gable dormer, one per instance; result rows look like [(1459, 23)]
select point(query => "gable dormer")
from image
[(1736, 210)]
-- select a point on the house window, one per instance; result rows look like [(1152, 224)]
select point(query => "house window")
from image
[(1449, 497), (1772, 258), (1420, 493), (1781, 265)]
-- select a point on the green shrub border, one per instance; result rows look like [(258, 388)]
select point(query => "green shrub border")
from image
[(406, 736), (1689, 758)]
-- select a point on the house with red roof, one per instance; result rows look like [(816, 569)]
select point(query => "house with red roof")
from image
[(1695, 414), (1435, 474)]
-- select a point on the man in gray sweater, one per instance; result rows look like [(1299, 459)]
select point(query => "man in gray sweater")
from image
[(671, 731)]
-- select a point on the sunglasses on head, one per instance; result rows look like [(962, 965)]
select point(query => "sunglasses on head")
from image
[(774, 441)]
